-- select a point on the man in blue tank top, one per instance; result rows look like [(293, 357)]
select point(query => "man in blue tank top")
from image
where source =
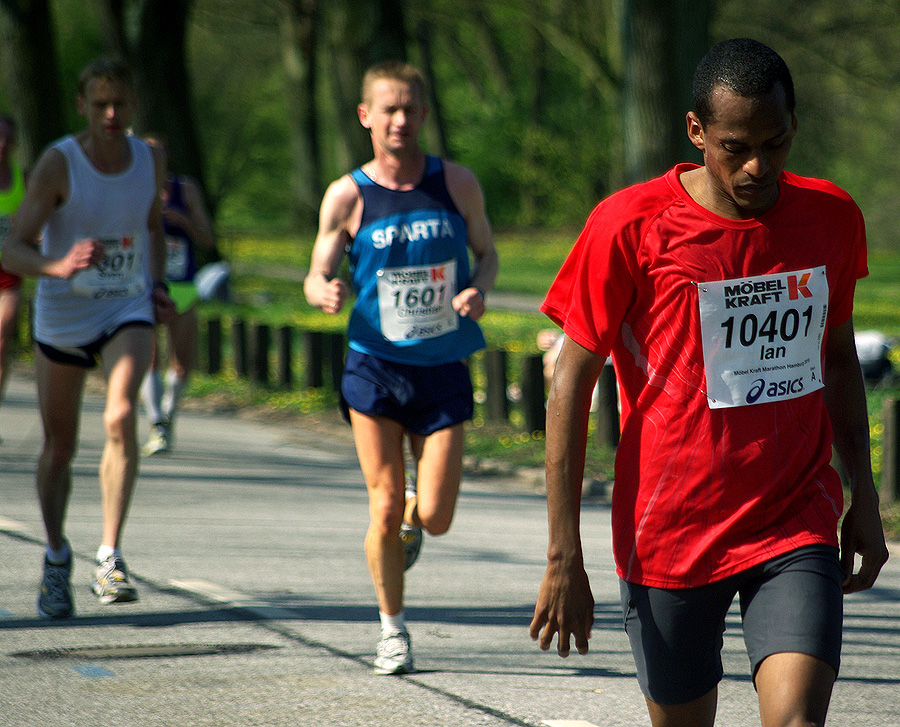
[(408, 223)]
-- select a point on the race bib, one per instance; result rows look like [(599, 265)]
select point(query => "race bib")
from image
[(176, 257), (762, 337), (414, 302), (119, 275)]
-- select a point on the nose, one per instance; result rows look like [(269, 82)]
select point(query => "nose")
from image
[(757, 166)]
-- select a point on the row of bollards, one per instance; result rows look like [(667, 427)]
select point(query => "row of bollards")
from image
[(323, 353)]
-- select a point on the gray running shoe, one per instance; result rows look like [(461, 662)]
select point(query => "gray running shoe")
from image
[(393, 655), (111, 582), (55, 596), (160, 440), (410, 536)]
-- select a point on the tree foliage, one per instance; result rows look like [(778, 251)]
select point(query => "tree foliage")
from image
[(553, 103)]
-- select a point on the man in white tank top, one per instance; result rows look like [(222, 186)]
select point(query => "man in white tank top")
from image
[(93, 201)]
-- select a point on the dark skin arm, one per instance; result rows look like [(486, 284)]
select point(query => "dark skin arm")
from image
[(565, 605), (861, 531)]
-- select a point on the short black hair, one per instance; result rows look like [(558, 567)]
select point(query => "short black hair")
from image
[(744, 65)]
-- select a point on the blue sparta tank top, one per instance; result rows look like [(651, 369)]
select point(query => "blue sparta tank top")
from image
[(408, 260)]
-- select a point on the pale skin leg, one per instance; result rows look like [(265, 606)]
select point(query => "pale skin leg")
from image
[(379, 445), (9, 310), (126, 359), (793, 689), (183, 343), (60, 388)]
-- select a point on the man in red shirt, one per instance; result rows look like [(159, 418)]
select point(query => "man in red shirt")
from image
[(724, 294)]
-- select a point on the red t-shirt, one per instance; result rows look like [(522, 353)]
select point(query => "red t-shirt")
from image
[(701, 492)]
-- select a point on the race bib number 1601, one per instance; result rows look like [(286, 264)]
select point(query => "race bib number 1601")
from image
[(414, 302), (762, 337)]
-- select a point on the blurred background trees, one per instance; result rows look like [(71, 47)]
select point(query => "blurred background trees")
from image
[(554, 103)]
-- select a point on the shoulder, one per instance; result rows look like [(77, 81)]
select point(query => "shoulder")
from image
[(459, 178), (464, 189), (341, 194), (818, 198), (634, 206)]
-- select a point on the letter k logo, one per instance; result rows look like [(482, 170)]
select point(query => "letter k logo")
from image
[(437, 274), (796, 289)]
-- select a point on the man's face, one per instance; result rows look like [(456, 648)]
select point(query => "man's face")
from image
[(108, 104), (745, 146), (393, 113)]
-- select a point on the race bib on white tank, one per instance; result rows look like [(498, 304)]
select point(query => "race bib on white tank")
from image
[(414, 302), (762, 337), (177, 257), (119, 275)]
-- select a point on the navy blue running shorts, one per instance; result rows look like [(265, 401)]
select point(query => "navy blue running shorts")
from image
[(792, 603), (85, 356), (423, 399)]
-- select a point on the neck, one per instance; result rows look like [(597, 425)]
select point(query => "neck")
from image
[(108, 155), (396, 172)]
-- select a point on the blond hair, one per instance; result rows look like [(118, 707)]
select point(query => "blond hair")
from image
[(395, 71)]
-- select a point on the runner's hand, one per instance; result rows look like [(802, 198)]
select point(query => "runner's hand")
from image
[(469, 303), (81, 256), (565, 608)]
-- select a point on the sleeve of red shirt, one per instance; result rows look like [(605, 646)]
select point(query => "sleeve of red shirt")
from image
[(595, 284)]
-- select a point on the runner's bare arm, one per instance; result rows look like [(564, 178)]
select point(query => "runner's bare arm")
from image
[(48, 189), (565, 605), (861, 531), (337, 216), (469, 199)]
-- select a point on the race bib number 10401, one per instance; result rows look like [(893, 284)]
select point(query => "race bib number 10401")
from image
[(762, 337)]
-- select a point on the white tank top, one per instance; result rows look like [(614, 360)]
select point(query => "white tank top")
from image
[(113, 208)]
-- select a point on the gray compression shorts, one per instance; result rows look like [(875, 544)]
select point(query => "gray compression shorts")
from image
[(792, 603)]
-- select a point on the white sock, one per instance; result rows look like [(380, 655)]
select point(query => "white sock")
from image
[(174, 386), (105, 551), (151, 394), (61, 556), (397, 622)]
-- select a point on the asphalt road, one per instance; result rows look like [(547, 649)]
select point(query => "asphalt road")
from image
[(256, 606)]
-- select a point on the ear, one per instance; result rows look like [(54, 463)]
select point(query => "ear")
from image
[(363, 112), (695, 131), (81, 105)]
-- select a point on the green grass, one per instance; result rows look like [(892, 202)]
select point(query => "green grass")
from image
[(268, 288)]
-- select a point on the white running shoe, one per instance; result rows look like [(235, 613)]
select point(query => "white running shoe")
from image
[(393, 655)]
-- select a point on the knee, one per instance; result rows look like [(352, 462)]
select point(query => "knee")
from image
[(386, 517), (120, 421), (435, 522)]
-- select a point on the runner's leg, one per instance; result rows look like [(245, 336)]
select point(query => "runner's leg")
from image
[(126, 359), (438, 459), (60, 388), (379, 445)]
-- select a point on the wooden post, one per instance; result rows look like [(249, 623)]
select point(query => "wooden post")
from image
[(607, 408), (496, 405), (239, 347), (890, 460), (213, 346), (314, 354), (261, 339), (533, 399), (285, 357)]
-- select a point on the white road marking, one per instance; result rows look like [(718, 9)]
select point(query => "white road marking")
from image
[(215, 592), (13, 526)]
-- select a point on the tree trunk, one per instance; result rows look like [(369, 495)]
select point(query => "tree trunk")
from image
[(662, 42), (157, 58), (298, 37), (30, 66)]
